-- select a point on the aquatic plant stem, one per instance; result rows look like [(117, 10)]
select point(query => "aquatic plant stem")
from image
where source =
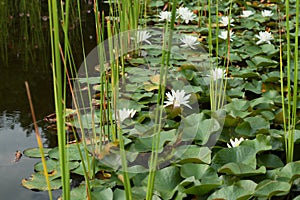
[(291, 97), (160, 100), (39, 141), (59, 92)]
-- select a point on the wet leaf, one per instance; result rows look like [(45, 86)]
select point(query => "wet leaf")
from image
[(53, 165), (197, 127), (193, 154), (37, 181), (264, 61), (269, 188), (144, 143), (290, 172), (242, 190), (196, 187), (102, 194), (269, 161), (72, 152), (245, 153), (166, 180), (238, 108), (240, 169), (35, 152)]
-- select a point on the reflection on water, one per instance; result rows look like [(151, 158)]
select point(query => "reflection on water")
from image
[(14, 137), (16, 126)]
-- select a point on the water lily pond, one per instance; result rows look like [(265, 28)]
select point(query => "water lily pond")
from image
[(178, 100)]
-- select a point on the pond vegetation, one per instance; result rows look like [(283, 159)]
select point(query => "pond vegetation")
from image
[(178, 100)]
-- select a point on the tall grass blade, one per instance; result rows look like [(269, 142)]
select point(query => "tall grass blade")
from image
[(59, 94), (39, 140), (165, 62)]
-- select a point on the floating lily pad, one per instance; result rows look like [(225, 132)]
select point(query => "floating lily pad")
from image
[(144, 143), (197, 127), (166, 180), (270, 161), (193, 186), (245, 153), (53, 165), (35, 152), (264, 61), (37, 181), (242, 190), (290, 172), (193, 154), (240, 169), (238, 108), (269, 188)]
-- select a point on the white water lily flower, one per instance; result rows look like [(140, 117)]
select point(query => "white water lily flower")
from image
[(224, 34), (185, 14), (178, 98), (143, 36), (266, 13), (189, 41), (235, 143), (165, 15), (225, 21), (247, 13), (180, 11), (125, 113), (218, 73), (264, 37)]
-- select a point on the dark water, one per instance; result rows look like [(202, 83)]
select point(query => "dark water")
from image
[(16, 128)]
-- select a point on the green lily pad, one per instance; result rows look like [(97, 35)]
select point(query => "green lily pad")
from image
[(193, 169), (238, 108), (254, 86), (251, 125), (79, 192), (119, 194), (264, 61), (53, 165), (35, 152), (137, 96), (144, 143), (269, 49), (271, 77), (102, 194), (261, 100), (290, 172), (253, 50), (246, 73), (193, 186), (270, 161), (245, 153), (72, 152), (196, 127), (166, 180), (241, 169), (241, 190), (37, 181), (192, 154), (269, 188)]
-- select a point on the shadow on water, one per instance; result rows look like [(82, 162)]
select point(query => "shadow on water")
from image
[(16, 127)]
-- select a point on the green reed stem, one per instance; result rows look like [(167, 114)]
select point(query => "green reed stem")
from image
[(282, 90), (295, 88), (59, 92), (165, 62), (289, 134)]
